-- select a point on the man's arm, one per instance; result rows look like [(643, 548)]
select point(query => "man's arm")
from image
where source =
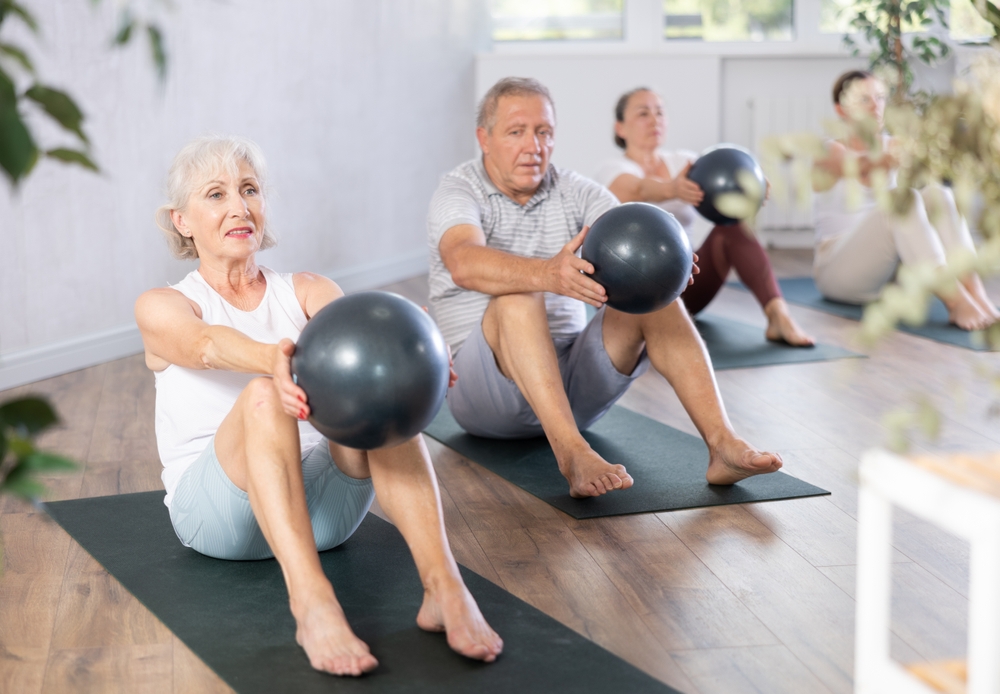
[(475, 266)]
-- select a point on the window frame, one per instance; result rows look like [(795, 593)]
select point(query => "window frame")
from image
[(643, 33)]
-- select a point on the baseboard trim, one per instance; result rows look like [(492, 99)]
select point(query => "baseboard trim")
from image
[(38, 363)]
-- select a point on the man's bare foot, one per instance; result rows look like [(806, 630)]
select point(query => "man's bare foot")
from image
[(324, 634), (964, 312), (735, 460), (591, 475), (449, 607), (781, 327)]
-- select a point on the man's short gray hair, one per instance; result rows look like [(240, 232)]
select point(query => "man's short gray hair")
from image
[(192, 168), (508, 86)]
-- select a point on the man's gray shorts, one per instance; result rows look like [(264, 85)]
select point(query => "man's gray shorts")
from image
[(212, 515), (487, 403)]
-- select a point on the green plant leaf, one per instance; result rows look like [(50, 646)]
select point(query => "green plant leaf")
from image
[(20, 482), (125, 28), (48, 462), (60, 106), (72, 156), (3, 445), (11, 7), (17, 54), (18, 153), (30, 415), (158, 50)]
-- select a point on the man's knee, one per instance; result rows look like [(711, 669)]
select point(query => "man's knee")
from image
[(518, 303)]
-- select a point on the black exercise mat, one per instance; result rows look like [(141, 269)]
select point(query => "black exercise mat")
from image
[(235, 617), (668, 467), (734, 345), (803, 291)]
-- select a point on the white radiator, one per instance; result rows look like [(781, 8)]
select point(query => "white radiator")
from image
[(776, 115)]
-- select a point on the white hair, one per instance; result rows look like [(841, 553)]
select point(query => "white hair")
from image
[(196, 164)]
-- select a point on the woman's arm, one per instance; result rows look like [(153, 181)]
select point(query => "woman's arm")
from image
[(174, 333), (629, 188), (314, 291), (830, 169)]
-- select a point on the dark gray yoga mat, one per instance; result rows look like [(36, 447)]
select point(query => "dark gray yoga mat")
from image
[(734, 345), (668, 467), (803, 291), (235, 617)]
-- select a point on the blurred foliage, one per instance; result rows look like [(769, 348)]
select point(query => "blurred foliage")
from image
[(882, 23), (949, 139), (21, 463), (22, 92)]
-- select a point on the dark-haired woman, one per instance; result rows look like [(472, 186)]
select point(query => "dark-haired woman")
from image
[(647, 173), (859, 246)]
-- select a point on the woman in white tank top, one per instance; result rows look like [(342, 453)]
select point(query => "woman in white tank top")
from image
[(646, 173), (244, 478), (859, 246)]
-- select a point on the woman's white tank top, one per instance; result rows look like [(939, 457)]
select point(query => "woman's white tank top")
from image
[(833, 216), (191, 403)]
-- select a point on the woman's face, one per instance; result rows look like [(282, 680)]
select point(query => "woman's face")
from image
[(644, 123), (225, 215), (863, 99)]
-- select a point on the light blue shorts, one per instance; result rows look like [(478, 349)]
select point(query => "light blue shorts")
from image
[(487, 403), (212, 515)]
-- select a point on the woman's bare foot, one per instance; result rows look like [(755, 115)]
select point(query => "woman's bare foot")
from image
[(974, 286), (323, 632), (781, 327), (965, 312), (735, 459), (449, 607), (591, 475)]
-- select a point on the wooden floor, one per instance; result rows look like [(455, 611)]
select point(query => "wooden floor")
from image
[(755, 598)]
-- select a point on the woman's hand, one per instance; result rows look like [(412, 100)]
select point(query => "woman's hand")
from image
[(293, 398), (694, 268), (686, 190)]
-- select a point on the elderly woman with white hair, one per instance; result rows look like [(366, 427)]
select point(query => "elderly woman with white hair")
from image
[(244, 479)]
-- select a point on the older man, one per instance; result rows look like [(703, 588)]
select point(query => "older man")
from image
[(508, 289)]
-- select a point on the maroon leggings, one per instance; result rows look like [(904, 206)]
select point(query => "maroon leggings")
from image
[(731, 246)]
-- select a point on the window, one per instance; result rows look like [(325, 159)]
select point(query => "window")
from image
[(836, 15), (728, 20), (545, 20), (966, 25)]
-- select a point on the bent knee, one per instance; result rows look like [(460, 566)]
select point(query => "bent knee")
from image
[(516, 302), (260, 398)]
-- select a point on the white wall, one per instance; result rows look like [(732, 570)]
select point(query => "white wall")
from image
[(359, 106)]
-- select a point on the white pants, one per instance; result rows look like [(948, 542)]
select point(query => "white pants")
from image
[(853, 266)]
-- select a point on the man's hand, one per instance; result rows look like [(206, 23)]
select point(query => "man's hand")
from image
[(686, 190), (568, 275), (694, 268), (293, 398)]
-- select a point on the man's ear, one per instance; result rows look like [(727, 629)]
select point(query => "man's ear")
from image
[(482, 136)]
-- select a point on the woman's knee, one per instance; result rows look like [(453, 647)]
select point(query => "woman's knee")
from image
[(260, 399)]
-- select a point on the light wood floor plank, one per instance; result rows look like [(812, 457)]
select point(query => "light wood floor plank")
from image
[(749, 670)]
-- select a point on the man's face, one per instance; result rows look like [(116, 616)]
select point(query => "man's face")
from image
[(516, 150)]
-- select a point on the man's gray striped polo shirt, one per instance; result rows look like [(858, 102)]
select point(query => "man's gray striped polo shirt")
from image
[(564, 203)]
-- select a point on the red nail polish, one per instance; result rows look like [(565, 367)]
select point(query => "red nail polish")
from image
[(302, 414)]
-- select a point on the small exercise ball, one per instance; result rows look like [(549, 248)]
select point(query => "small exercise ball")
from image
[(715, 171), (375, 370), (641, 256)]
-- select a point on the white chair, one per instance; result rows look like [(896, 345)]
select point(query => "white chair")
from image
[(961, 494)]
